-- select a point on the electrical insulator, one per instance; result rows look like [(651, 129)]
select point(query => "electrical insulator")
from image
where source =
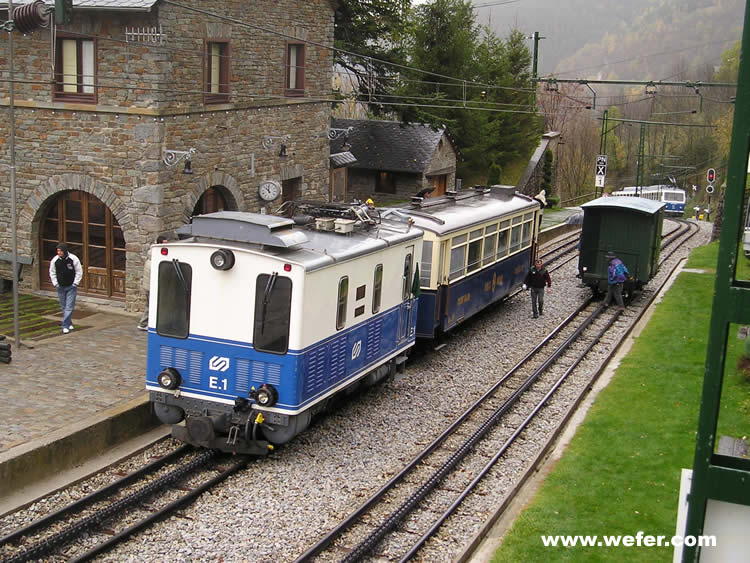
[(30, 17)]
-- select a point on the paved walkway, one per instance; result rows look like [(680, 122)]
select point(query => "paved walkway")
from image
[(65, 379)]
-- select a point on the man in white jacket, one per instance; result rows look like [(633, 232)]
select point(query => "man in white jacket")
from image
[(66, 272)]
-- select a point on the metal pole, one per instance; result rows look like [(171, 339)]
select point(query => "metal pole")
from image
[(12, 146)]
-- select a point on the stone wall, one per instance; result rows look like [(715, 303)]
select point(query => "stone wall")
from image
[(149, 99)]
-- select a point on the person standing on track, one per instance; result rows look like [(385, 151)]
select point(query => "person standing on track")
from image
[(617, 273), (66, 272), (536, 279)]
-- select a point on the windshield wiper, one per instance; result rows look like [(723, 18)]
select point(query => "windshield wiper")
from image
[(181, 277), (266, 298)]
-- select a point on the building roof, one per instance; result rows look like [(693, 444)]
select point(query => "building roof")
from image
[(117, 5), (340, 159), (388, 145)]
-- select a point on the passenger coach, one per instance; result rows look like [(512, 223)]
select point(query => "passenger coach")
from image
[(256, 322), (478, 246)]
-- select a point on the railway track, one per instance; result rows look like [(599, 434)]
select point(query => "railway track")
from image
[(104, 518), (504, 477), (429, 501)]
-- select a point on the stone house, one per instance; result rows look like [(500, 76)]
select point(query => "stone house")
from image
[(388, 160), (134, 115)]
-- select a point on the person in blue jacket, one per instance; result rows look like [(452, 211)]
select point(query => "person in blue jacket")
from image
[(617, 273)]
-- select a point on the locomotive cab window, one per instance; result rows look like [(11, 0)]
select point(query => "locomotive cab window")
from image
[(377, 288), (273, 306), (342, 300), (406, 280), (173, 304)]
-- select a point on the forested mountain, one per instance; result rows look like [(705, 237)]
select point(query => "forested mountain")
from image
[(616, 39)]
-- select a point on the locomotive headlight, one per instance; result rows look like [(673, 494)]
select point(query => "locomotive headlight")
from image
[(169, 379), (585, 269), (222, 259), (266, 395)]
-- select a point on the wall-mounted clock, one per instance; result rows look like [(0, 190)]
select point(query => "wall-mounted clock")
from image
[(269, 190)]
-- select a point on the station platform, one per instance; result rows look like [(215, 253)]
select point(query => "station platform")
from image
[(69, 397)]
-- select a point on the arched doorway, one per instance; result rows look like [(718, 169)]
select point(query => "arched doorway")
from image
[(92, 233), (211, 200)]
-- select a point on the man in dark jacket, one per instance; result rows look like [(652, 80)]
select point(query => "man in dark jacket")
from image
[(66, 272), (536, 279)]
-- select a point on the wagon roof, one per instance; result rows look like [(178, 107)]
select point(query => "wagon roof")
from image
[(455, 214), (638, 204), (281, 238)]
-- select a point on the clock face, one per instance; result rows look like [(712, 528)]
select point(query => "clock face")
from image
[(269, 190)]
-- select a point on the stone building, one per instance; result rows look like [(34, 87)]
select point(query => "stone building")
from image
[(391, 160), (110, 105)]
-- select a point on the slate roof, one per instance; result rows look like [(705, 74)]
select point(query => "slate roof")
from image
[(388, 145), (340, 159), (119, 5)]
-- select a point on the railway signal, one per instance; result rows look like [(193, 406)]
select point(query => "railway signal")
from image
[(711, 175)]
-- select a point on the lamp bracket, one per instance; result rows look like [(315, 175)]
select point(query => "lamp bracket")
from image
[(269, 139), (170, 157), (334, 132)]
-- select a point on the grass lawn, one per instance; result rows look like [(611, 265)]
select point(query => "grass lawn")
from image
[(38, 316), (621, 473)]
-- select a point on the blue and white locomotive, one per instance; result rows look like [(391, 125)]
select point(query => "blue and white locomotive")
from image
[(257, 322), (478, 246)]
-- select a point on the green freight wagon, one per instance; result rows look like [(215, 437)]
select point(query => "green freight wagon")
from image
[(628, 227)]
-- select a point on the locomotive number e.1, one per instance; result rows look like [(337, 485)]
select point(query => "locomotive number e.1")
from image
[(216, 383)]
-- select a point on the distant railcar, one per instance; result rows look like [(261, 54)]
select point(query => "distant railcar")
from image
[(477, 248), (673, 198), (257, 322), (630, 228)]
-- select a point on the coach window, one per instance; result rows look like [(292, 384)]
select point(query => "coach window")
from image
[(425, 271), (515, 234), (273, 306), (475, 250), (502, 239), (458, 257), (377, 288), (526, 234), (173, 304), (342, 302), (490, 240)]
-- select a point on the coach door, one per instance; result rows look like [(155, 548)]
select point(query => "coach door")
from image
[(407, 301)]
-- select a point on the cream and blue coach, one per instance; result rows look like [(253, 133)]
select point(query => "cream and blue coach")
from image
[(256, 322), (478, 246)]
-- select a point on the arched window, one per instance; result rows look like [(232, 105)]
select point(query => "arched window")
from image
[(211, 200)]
